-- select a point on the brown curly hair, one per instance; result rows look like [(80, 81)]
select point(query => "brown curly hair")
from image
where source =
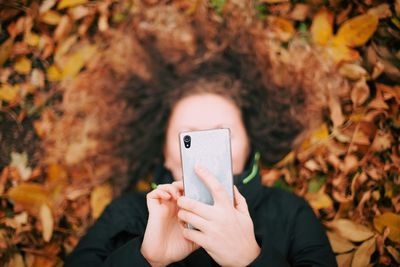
[(266, 113)]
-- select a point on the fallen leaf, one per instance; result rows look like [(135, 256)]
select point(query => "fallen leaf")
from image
[(20, 162), (5, 50), (30, 196), (16, 261), (390, 220), (8, 92), (100, 197), (363, 254), (46, 219), (338, 243), (352, 231), (77, 60), (23, 65), (352, 71), (356, 31), (51, 17), (70, 3), (321, 27), (395, 253), (359, 93), (54, 74), (382, 11), (319, 200), (344, 260)]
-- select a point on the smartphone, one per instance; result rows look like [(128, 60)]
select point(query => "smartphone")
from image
[(212, 150)]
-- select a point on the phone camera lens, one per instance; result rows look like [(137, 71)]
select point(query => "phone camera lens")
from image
[(186, 141)]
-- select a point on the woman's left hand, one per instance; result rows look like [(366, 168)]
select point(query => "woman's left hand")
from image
[(225, 231)]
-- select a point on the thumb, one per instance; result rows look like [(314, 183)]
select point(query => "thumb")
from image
[(240, 201)]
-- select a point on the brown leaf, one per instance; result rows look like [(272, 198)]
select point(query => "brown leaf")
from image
[(359, 93), (390, 220), (338, 243), (99, 199), (395, 253), (352, 71), (356, 31), (5, 50), (352, 231), (363, 254), (344, 260), (382, 11)]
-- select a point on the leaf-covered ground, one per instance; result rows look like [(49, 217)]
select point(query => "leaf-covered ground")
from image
[(63, 64)]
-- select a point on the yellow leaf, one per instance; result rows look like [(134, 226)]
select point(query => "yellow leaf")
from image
[(23, 65), (390, 220), (5, 50), (77, 60), (53, 74), (51, 17), (338, 243), (339, 52), (46, 218), (357, 31), (319, 200), (352, 231), (8, 92), (56, 174), (70, 3), (29, 195), (32, 39), (99, 199), (362, 256), (322, 27), (283, 28)]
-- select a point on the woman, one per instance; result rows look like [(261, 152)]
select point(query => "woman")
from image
[(265, 227)]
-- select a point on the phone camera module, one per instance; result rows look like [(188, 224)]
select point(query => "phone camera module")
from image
[(186, 141)]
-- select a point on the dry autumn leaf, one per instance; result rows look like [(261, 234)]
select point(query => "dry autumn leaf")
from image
[(339, 244), (322, 27), (363, 253), (390, 220), (46, 219), (344, 260), (8, 92), (357, 31), (352, 231), (30, 196), (70, 3), (99, 198)]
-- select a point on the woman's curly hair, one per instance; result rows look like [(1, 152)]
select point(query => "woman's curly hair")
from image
[(115, 114), (266, 113)]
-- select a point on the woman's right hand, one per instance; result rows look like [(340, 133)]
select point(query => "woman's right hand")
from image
[(163, 242)]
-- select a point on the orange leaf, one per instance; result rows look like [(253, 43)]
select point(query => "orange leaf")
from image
[(357, 31), (321, 27), (100, 198), (30, 196)]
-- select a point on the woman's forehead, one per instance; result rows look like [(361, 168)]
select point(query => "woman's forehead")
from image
[(205, 111)]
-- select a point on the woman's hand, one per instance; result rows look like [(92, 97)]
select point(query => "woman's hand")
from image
[(163, 241), (224, 231)]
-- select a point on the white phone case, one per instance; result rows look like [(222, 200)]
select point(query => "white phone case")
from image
[(212, 150)]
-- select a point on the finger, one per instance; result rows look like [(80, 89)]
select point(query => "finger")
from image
[(217, 189), (174, 191), (158, 194), (193, 219), (197, 207), (179, 185), (195, 236), (240, 201)]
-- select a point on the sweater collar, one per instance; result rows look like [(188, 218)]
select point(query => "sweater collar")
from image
[(248, 182)]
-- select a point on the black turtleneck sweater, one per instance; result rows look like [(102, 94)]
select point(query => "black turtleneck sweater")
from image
[(285, 226)]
